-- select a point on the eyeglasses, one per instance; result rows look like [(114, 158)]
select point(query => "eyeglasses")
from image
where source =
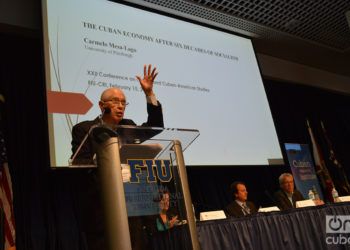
[(115, 101)]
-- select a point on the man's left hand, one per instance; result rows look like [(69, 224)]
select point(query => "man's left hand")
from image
[(148, 78)]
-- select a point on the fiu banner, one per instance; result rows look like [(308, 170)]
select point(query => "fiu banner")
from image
[(145, 180), (303, 169)]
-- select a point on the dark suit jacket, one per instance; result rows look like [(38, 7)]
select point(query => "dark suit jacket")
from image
[(283, 202), (80, 130), (235, 210)]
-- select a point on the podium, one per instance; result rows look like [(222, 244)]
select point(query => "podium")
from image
[(143, 175)]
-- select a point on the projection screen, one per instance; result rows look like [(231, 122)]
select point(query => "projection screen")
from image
[(208, 79)]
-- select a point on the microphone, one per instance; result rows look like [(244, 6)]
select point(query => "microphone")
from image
[(268, 195), (71, 160), (106, 111)]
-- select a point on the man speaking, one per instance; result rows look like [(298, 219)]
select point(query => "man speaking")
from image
[(112, 104), (88, 194)]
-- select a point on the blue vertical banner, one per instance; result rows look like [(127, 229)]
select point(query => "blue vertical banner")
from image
[(302, 167)]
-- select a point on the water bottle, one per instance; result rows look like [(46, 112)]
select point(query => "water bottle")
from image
[(314, 190), (311, 195), (335, 195), (194, 213)]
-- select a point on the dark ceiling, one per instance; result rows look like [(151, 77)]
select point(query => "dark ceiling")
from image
[(315, 33), (311, 32)]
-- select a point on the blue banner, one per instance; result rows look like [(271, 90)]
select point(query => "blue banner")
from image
[(303, 168)]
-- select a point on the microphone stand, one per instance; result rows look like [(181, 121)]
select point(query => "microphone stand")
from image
[(71, 160)]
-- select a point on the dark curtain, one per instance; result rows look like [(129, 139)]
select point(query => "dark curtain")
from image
[(26, 137), (45, 199), (43, 202)]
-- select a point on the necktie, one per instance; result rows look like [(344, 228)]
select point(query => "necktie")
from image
[(246, 209)]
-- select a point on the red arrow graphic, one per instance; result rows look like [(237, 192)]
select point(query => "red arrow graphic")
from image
[(67, 103)]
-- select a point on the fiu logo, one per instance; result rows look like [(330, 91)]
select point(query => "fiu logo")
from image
[(160, 169)]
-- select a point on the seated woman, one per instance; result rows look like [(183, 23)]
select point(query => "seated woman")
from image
[(164, 221)]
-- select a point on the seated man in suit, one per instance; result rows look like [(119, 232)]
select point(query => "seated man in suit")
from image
[(240, 207), (287, 196)]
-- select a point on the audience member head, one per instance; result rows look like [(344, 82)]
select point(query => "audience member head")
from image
[(112, 104), (286, 182), (239, 191)]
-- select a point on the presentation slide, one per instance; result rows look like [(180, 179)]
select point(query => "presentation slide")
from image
[(208, 79)]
